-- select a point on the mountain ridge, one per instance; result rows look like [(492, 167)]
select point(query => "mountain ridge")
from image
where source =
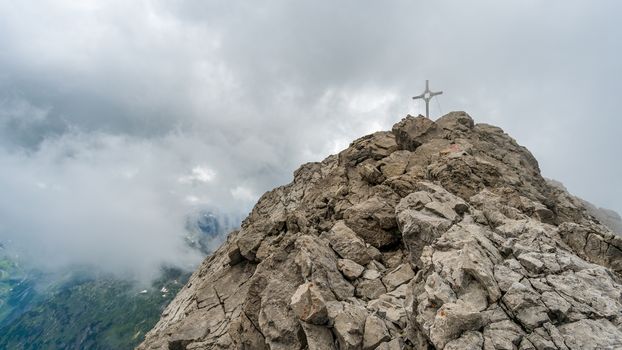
[(437, 234)]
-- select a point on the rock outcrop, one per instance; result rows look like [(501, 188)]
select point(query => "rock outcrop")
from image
[(436, 235)]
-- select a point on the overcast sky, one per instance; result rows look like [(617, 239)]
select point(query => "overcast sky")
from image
[(118, 119)]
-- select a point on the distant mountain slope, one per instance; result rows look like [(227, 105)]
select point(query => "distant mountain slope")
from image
[(88, 314), (607, 217), (82, 312)]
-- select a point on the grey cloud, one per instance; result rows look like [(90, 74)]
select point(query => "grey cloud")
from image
[(114, 203), (254, 89)]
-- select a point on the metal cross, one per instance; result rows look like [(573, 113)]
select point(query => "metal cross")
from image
[(427, 96)]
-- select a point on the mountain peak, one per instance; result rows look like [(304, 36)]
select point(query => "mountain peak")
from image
[(437, 234)]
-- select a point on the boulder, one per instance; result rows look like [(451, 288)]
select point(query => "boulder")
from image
[(526, 305), (411, 132), (318, 337), (374, 221), (371, 174), (456, 121), (347, 244), (370, 289), (349, 326), (371, 274), (390, 308), (375, 333), (350, 269), (402, 274), (395, 344), (468, 341), (502, 335), (451, 320), (309, 305), (591, 335)]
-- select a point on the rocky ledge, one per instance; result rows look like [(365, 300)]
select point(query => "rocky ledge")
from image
[(436, 235)]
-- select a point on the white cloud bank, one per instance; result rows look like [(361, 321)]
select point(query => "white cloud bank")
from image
[(119, 118), (109, 202)]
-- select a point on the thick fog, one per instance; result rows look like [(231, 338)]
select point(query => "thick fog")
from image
[(119, 120)]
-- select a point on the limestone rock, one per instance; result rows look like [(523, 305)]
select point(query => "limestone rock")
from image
[(395, 344), (591, 334), (349, 326), (309, 305), (502, 335), (318, 337), (350, 269), (370, 289), (390, 308), (345, 242), (435, 235), (526, 305), (451, 320), (371, 174), (371, 274), (468, 341), (412, 132), (399, 276), (376, 332), (374, 221)]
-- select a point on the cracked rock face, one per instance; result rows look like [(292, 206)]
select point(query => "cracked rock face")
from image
[(436, 235)]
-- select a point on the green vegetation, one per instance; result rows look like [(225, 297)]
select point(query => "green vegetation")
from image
[(43, 311), (11, 283), (89, 314)]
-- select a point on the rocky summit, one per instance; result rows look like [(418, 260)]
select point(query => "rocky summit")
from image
[(434, 235)]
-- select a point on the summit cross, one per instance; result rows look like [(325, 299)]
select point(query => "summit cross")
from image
[(427, 96)]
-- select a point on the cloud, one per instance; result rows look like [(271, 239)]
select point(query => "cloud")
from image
[(160, 107), (112, 203)]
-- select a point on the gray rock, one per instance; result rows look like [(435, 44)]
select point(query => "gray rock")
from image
[(412, 132), (371, 174), (540, 339), (451, 320), (376, 332), (309, 305), (438, 290), (370, 274), (531, 263), (591, 291), (318, 337), (557, 305), (370, 289), (374, 253), (390, 308), (374, 221), (525, 344), (392, 259), (348, 327), (347, 244), (464, 203), (395, 164), (591, 334), (419, 230), (555, 336), (248, 243), (235, 257), (526, 305), (503, 335), (350, 269), (395, 344), (399, 276), (506, 277), (317, 262), (190, 329), (468, 341)]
